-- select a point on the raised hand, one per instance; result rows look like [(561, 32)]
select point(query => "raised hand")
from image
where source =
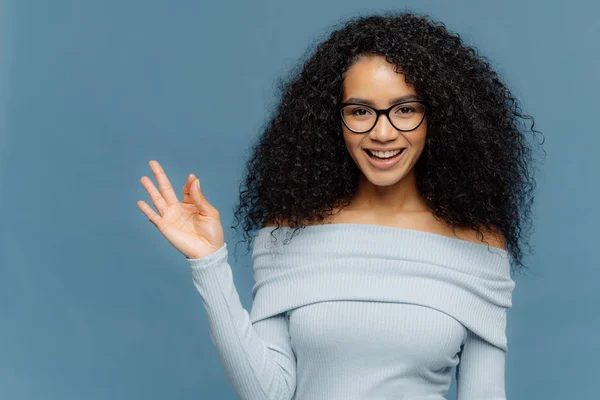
[(192, 226)]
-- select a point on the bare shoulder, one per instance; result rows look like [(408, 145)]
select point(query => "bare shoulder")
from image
[(423, 221), (273, 222), (426, 222), (285, 222), (493, 237)]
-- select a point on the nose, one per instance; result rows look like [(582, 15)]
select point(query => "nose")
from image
[(383, 130)]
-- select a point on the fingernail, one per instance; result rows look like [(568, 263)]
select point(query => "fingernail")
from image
[(198, 183)]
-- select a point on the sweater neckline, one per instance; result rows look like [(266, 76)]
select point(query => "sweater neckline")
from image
[(392, 230), (371, 262)]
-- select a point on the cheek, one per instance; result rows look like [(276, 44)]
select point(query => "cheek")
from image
[(351, 140), (353, 147), (419, 146)]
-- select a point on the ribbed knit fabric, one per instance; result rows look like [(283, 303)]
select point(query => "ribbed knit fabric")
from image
[(361, 311)]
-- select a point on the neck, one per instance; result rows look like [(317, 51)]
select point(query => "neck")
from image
[(399, 198)]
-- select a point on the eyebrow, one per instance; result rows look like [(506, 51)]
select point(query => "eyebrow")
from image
[(393, 101)]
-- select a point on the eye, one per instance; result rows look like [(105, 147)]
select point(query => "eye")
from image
[(360, 111), (405, 110), (408, 109)]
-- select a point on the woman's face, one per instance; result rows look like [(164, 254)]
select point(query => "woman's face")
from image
[(373, 81)]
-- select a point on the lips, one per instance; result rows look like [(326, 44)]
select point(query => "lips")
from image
[(394, 149), (369, 153), (384, 164)]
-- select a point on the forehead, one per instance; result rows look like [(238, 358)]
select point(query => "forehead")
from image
[(374, 78)]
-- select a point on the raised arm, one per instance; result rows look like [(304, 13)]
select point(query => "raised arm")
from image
[(480, 372), (257, 358)]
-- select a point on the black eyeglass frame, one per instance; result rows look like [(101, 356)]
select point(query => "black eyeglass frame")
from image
[(386, 111)]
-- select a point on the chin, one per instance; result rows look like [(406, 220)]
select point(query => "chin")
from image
[(382, 178)]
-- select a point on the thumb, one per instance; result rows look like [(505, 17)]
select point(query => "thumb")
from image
[(199, 199)]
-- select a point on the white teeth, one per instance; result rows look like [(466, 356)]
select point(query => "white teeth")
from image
[(385, 154)]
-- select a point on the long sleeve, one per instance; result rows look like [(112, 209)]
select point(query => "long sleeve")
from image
[(257, 358), (480, 373)]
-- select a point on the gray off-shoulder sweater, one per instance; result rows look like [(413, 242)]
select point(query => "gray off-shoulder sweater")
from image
[(361, 311)]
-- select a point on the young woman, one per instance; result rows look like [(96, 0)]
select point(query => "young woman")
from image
[(396, 157)]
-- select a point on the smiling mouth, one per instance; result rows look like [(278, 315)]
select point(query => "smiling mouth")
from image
[(371, 155)]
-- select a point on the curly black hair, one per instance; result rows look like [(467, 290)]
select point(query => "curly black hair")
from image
[(473, 171)]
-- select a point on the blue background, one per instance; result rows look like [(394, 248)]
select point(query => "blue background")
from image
[(96, 304)]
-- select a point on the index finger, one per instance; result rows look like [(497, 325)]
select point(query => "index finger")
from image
[(163, 183)]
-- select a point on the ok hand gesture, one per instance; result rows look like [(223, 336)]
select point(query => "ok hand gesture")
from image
[(192, 226)]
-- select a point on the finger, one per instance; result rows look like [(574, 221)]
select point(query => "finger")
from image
[(199, 200), (154, 194), (163, 183), (187, 197), (152, 216)]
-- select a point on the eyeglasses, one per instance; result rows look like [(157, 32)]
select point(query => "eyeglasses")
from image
[(405, 116)]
